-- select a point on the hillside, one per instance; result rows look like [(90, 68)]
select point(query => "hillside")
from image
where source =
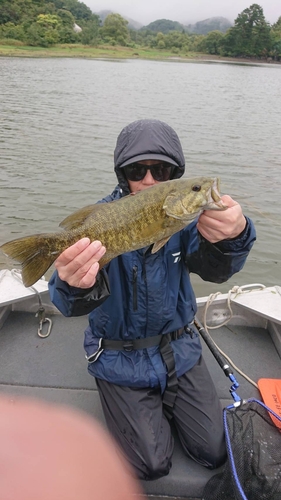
[(166, 25), (212, 24), (132, 24), (200, 28)]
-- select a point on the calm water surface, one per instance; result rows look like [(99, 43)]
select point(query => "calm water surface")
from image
[(59, 119)]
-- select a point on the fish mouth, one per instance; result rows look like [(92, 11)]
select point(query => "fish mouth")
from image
[(214, 201)]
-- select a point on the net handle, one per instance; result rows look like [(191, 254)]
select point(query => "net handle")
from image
[(221, 361)]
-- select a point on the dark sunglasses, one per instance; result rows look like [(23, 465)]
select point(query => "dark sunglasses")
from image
[(160, 171)]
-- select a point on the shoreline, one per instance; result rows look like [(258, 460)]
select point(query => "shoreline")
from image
[(107, 52), (234, 60)]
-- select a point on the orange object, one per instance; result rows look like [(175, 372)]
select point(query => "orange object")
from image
[(270, 389)]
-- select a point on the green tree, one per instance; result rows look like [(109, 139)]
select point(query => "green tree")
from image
[(160, 41), (212, 42), (12, 31), (176, 40), (143, 37), (44, 31), (8, 14), (65, 29), (78, 9), (66, 18), (228, 43), (115, 29), (48, 21), (276, 40), (90, 33), (12, 11), (196, 42), (250, 35)]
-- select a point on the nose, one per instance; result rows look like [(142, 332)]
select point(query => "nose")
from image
[(148, 179)]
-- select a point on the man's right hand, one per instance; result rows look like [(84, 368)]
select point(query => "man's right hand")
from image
[(78, 265)]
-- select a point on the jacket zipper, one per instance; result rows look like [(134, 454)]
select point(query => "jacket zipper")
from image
[(135, 292)]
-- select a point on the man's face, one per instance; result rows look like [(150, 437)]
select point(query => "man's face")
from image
[(148, 180)]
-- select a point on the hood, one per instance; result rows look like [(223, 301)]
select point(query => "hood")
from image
[(147, 140)]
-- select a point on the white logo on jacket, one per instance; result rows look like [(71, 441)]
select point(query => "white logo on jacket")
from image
[(177, 256)]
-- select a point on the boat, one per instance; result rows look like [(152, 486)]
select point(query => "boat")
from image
[(42, 356)]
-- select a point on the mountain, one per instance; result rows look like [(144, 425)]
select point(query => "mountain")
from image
[(211, 24), (200, 28), (164, 26), (103, 14), (133, 25)]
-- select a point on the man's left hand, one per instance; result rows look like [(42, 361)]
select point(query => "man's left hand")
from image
[(218, 225)]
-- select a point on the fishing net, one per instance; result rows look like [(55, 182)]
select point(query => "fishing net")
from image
[(253, 467), (253, 440)]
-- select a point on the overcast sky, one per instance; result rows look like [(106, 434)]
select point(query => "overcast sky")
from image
[(146, 11)]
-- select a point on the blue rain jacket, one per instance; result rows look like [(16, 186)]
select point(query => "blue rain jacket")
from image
[(140, 294)]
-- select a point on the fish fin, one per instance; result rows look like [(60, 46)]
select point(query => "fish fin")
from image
[(33, 253), (78, 218), (159, 244)]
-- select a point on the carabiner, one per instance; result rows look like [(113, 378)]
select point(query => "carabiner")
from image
[(42, 319), (39, 331)]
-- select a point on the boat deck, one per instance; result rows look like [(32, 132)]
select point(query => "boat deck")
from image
[(54, 369)]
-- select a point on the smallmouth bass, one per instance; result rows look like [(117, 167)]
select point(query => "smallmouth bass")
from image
[(149, 217)]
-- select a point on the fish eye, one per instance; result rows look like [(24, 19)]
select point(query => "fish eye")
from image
[(196, 188)]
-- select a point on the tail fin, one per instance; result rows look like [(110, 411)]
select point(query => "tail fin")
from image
[(35, 254)]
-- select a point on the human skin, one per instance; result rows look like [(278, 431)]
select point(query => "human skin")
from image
[(51, 452)]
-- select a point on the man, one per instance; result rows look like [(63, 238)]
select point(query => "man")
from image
[(141, 342)]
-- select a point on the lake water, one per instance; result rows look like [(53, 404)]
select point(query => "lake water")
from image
[(59, 119)]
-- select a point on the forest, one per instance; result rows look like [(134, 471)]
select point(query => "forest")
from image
[(47, 23)]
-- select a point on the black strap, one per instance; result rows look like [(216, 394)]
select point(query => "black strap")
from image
[(170, 393), (135, 344), (123, 345), (131, 344)]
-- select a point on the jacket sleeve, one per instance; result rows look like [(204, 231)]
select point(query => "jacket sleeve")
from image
[(72, 301), (218, 262)]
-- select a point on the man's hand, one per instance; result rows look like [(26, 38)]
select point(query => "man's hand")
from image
[(216, 225), (78, 265)]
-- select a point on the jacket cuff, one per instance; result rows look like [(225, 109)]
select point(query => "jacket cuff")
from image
[(87, 300), (72, 301), (100, 289), (236, 243)]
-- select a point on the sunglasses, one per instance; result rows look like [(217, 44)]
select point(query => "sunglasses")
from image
[(160, 171)]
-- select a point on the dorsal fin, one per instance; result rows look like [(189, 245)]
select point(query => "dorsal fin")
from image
[(78, 218)]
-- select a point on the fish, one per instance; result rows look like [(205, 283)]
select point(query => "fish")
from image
[(141, 219)]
